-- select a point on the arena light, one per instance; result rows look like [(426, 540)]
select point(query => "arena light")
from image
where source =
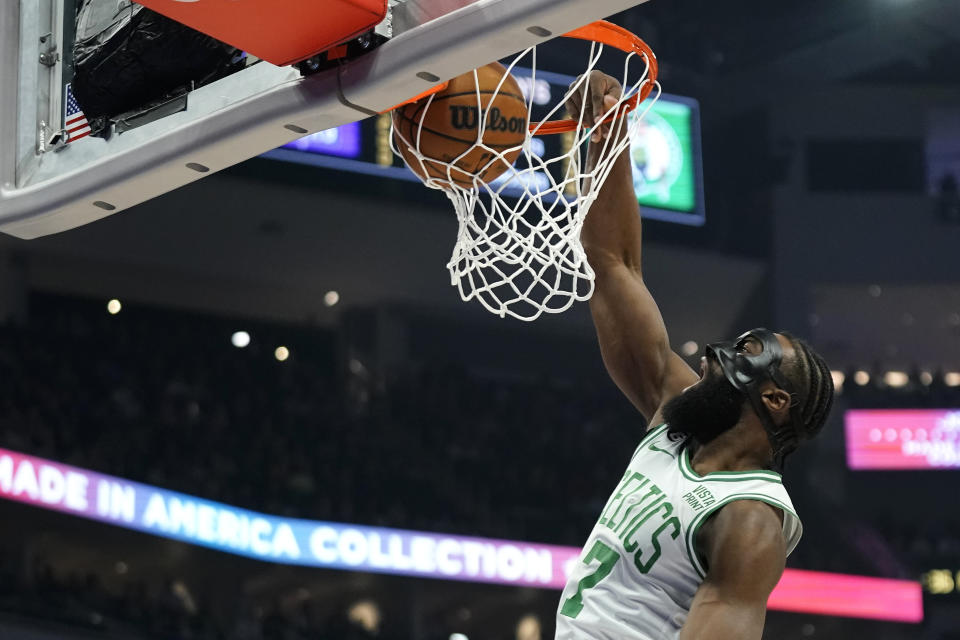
[(896, 379), (839, 377), (114, 307), (281, 353), (331, 298), (951, 379), (940, 581), (690, 348), (862, 378), (529, 628), (926, 378), (358, 548), (240, 339), (458, 636), (367, 614)]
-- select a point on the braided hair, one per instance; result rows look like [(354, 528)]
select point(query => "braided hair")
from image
[(813, 384)]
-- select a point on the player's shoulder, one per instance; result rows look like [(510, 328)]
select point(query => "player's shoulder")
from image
[(747, 529), (750, 519)]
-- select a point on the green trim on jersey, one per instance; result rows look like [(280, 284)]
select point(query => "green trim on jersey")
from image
[(647, 437), (701, 518), (653, 433), (724, 476)]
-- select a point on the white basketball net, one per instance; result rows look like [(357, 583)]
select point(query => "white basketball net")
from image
[(518, 248)]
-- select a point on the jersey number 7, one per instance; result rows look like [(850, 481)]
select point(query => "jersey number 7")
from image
[(607, 557)]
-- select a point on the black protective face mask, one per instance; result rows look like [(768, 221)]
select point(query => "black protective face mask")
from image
[(746, 372)]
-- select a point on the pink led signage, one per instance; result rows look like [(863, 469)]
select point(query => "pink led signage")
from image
[(834, 594), (903, 439)]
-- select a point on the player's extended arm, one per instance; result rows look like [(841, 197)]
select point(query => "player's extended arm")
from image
[(746, 553), (633, 339)]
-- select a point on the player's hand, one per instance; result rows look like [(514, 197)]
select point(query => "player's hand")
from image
[(597, 95)]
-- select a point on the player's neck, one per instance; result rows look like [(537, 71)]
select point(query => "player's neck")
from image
[(741, 448)]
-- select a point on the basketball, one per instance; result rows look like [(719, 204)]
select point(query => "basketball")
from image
[(446, 128)]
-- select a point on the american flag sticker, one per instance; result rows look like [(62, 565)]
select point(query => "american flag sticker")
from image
[(74, 121)]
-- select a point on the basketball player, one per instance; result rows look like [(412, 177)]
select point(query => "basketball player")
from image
[(695, 537)]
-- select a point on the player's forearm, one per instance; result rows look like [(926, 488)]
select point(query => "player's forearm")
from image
[(612, 229), (723, 621)]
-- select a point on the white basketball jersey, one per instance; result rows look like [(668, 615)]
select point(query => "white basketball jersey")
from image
[(639, 570)]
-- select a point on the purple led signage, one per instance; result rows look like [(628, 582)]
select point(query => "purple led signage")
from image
[(340, 141)]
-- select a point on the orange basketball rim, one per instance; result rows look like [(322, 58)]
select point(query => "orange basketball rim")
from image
[(602, 32)]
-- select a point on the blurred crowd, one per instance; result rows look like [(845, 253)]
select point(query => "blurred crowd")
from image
[(165, 610), (165, 399)]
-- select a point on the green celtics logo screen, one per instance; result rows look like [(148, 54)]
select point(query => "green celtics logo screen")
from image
[(665, 174)]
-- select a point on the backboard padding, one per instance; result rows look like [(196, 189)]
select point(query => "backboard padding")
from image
[(281, 32)]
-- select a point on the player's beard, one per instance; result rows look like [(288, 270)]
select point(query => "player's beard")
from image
[(705, 410)]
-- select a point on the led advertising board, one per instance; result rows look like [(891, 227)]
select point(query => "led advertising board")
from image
[(903, 438), (114, 501)]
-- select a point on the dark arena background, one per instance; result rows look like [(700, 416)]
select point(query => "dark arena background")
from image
[(254, 408)]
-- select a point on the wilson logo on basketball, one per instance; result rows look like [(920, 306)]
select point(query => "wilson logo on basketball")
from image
[(465, 117)]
